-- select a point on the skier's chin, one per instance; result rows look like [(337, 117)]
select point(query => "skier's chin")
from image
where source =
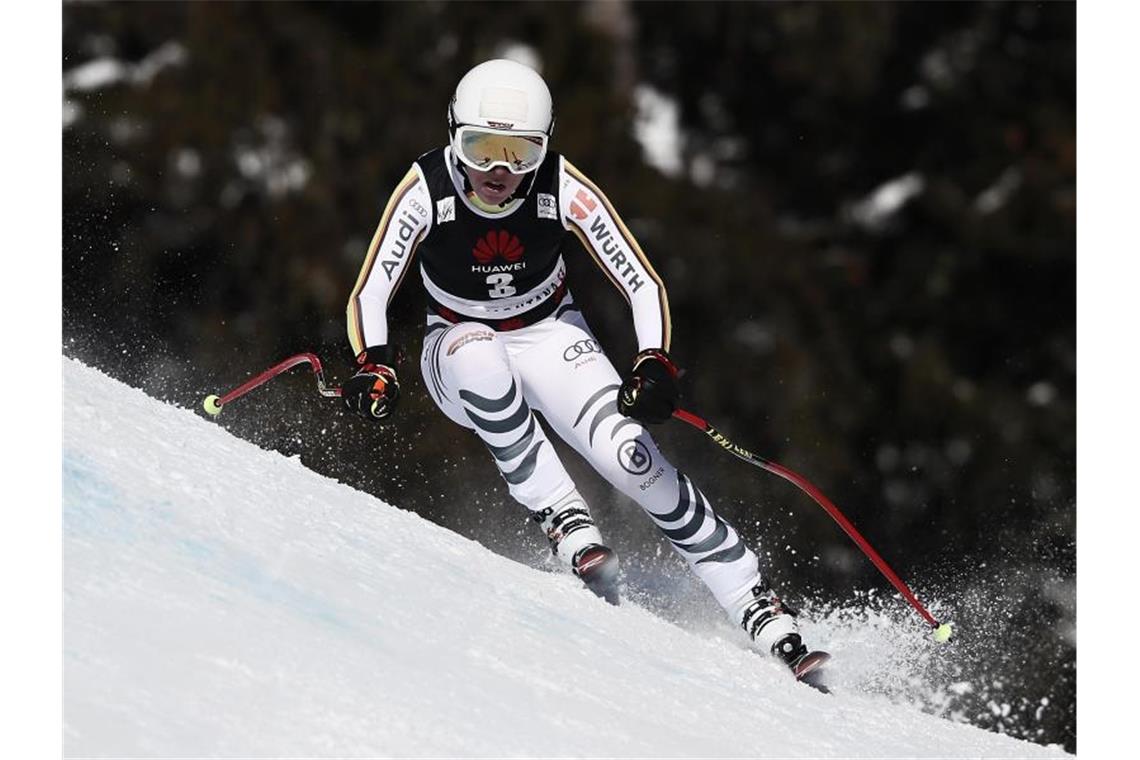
[(493, 192), (495, 186)]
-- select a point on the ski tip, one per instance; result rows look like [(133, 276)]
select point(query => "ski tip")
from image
[(943, 633), (597, 567), (809, 670), (809, 663)]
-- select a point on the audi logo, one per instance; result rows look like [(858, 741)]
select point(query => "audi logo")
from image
[(581, 348)]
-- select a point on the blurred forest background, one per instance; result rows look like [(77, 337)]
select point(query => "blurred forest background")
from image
[(865, 214)]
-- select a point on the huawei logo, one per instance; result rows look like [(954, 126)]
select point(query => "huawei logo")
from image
[(497, 243)]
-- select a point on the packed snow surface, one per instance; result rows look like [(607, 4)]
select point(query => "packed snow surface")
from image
[(224, 600)]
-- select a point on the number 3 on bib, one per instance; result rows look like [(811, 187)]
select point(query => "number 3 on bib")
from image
[(500, 285)]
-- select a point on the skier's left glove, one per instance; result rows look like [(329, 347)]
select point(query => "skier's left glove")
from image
[(650, 393), (374, 390)]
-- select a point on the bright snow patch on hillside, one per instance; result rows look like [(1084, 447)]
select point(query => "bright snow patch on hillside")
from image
[(224, 600)]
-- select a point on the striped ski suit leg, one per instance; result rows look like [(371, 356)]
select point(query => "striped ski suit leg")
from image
[(580, 405), (717, 554), (469, 375)]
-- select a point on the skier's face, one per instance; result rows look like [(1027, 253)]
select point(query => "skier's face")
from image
[(495, 186)]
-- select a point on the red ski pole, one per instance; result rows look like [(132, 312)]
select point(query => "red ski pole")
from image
[(942, 631), (213, 404)]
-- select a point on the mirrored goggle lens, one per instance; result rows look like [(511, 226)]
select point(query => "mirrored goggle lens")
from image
[(519, 153)]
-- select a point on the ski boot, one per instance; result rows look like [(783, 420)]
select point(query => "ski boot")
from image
[(771, 625), (577, 542), (805, 665)]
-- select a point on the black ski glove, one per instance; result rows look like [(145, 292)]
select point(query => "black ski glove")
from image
[(650, 393), (373, 391)]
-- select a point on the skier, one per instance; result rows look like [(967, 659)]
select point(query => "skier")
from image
[(488, 214)]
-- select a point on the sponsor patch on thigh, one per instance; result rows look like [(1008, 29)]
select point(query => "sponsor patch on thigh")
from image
[(582, 352), (467, 338)]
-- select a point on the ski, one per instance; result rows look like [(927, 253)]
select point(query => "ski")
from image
[(808, 670), (597, 566)]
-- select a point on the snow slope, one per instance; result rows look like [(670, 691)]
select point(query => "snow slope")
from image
[(224, 600)]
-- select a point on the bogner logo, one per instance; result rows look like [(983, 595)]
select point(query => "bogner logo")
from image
[(634, 457), (647, 484), (498, 243), (445, 210), (547, 206)]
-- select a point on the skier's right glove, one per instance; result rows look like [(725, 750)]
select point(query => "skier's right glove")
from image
[(373, 391), (650, 393)]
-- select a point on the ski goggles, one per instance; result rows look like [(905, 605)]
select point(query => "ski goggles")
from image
[(519, 152)]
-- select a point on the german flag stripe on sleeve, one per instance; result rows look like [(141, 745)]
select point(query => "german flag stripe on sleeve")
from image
[(663, 299), (355, 318)]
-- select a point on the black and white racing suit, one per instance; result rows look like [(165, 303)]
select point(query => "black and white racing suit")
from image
[(504, 339)]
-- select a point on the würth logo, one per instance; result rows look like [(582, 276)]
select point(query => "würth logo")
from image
[(497, 243)]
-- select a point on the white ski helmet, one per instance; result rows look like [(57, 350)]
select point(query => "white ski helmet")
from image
[(506, 98)]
